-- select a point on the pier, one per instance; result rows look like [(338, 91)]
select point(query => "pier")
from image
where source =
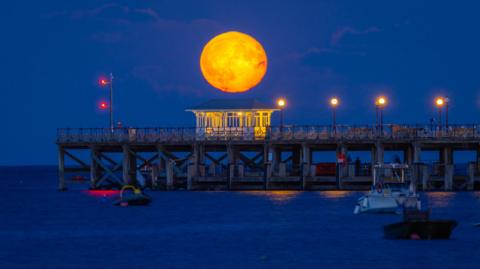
[(269, 158)]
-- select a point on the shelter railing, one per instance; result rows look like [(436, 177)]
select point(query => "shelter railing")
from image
[(275, 133)]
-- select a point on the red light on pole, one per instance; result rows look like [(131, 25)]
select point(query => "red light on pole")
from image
[(103, 105), (103, 82)]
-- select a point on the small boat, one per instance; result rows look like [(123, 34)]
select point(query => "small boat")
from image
[(392, 190), (417, 225), (136, 197)]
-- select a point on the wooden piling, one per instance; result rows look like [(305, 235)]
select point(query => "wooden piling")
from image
[(425, 177), (61, 169), (170, 175), (125, 164), (93, 168), (448, 179), (305, 164), (471, 176), (231, 166)]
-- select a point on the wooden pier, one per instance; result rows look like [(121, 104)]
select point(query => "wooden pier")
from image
[(281, 158)]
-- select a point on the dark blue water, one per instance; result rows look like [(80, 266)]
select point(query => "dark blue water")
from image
[(43, 228)]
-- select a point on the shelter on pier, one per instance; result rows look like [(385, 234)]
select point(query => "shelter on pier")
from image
[(220, 118)]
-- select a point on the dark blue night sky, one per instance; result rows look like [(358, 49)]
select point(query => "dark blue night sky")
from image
[(54, 51)]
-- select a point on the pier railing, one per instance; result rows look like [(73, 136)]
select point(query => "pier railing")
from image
[(274, 133)]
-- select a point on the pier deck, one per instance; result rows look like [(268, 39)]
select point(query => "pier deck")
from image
[(281, 158)]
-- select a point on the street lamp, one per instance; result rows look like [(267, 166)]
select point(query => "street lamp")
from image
[(334, 103), (103, 105), (446, 112), (281, 103), (440, 102), (380, 104), (103, 83)]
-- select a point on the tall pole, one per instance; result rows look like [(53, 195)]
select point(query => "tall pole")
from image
[(281, 120), (446, 113), (376, 119), (439, 118), (111, 102), (281, 105), (334, 121), (381, 120)]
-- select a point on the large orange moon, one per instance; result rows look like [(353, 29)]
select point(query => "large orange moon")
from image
[(233, 62)]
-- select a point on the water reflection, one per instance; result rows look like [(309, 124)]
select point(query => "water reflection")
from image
[(335, 195), (102, 193), (279, 197), (439, 199)]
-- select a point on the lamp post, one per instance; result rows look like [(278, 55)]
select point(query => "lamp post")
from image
[(334, 103), (104, 82), (440, 102), (281, 103), (380, 104), (446, 112)]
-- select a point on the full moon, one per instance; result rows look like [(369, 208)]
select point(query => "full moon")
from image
[(233, 62)]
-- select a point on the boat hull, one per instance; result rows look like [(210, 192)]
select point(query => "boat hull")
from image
[(440, 229), (134, 200), (385, 204)]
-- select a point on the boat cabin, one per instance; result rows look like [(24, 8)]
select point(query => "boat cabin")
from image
[(230, 118)]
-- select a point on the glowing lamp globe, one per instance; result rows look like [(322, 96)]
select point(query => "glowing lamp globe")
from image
[(381, 101), (103, 105), (103, 82), (233, 62), (334, 101)]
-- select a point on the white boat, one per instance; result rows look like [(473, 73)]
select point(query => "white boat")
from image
[(393, 189)]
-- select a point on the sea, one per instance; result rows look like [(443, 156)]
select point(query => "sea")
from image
[(41, 227)]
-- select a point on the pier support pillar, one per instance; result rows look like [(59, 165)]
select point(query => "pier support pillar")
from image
[(201, 160), (306, 160), (61, 169), (413, 160), (448, 180), (241, 170), (169, 183), (192, 167), (342, 167), (379, 152), (471, 176), (231, 165), (446, 155), (276, 154), (425, 177), (230, 176), (132, 168), (413, 153), (195, 160), (212, 169), (296, 161), (417, 152), (190, 175), (155, 173), (282, 170), (201, 154), (93, 168), (126, 165), (268, 158)]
